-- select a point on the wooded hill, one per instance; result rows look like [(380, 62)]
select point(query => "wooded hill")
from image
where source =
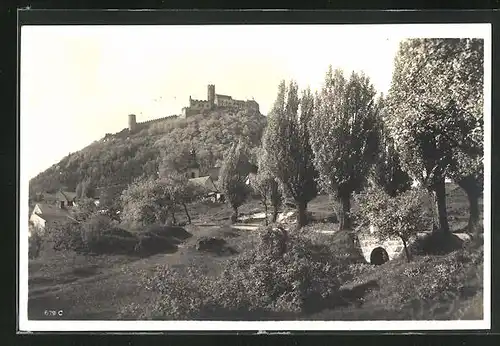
[(118, 159)]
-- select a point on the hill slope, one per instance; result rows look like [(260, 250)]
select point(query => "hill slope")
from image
[(117, 159)]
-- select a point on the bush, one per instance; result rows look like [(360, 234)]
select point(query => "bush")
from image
[(169, 231), (65, 235), (96, 234), (174, 295), (150, 244), (444, 287), (402, 216), (430, 287), (437, 243), (283, 276), (92, 229)]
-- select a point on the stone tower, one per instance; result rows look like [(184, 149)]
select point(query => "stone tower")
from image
[(211, 95), (132, 124)]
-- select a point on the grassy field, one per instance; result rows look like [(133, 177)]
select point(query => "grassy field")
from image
[(98, 286)]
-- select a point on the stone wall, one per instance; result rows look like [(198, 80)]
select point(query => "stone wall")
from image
[(149, 122)]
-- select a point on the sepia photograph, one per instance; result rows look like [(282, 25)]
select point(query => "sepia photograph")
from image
[(255, 177)]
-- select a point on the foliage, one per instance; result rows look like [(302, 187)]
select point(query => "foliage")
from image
[(119, 159), (233, 174), (146, 202), (267, 188), (430, 284), (84, 189), (109, 200), (445, 287), (88, 234), (401, 216), (387, 172), (85, 208), (435, 106), (177, 161), (65, 235), (284, 275), (181, 191), (93, 229), (286, 145), (343, 136)]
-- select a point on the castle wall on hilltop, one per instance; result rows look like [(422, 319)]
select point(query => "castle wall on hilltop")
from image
[(213, 102), (134, 126), (153, 121)]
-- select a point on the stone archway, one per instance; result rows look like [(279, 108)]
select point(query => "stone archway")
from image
[(379, 256)]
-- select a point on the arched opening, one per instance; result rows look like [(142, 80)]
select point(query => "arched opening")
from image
[(379, 256)]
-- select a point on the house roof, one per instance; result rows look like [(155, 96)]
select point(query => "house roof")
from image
[(66, 195), (205, 182), (52, 213)]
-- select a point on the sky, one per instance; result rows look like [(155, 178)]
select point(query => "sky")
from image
[(80, 82)]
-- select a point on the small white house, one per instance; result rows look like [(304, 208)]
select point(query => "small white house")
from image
[(45, 214)]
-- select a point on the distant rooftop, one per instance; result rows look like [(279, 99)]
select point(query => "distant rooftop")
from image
[(204, 182), (53, 213)]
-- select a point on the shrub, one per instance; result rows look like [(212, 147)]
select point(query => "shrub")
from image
[(285, 273), (96, 234), (169, 231), (159, 238), (174, 295), (401, 216), (65, 235), (283, 276), (431, 286), (436, 243), (92, 229), (151, 243), (146, 202)]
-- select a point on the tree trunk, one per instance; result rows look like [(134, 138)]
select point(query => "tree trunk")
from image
[(407, 252), (265, 212), (344, 211), (301, 214), (234, 217), (473, 191), (439, 207), (174, 221), (187, 213), (275, 213)]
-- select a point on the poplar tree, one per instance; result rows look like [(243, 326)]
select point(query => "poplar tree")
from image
[(344, 138), (233, 174), (287, 147)]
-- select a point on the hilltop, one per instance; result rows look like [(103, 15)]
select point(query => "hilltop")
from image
[(117, 159)]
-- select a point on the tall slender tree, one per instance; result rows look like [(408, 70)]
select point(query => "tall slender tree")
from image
[(343, 137), (267, 187), (387, 172), (286, 144), (233, 174)]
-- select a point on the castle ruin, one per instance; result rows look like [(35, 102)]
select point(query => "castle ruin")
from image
[(217, 101), (214, 101)]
